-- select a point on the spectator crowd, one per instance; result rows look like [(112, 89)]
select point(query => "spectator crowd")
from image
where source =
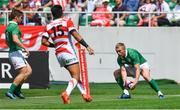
[(100, 12)]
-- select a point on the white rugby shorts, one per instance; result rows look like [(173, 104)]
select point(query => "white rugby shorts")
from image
[(66, 59), (17, 59), (131, 70)]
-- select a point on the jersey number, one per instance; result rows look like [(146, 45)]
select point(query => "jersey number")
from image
[(58, 31)]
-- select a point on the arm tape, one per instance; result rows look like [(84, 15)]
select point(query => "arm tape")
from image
[(82, 42), (51, 44)]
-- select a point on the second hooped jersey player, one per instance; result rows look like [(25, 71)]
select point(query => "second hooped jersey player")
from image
[(59, 31)]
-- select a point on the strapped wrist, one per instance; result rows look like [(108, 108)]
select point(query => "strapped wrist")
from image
[(82, 42)]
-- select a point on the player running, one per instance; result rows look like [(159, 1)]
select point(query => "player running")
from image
[(16, 56), (59, 31), (133, 64)]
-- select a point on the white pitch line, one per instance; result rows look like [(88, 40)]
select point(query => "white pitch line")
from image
[(175, 95), (38, 97)]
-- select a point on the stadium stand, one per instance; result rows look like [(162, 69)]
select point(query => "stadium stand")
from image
[(82, 20), (3, 2), (132, 20), (172, 5)]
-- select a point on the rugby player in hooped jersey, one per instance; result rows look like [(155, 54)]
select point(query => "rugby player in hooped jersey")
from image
[(59, 30)]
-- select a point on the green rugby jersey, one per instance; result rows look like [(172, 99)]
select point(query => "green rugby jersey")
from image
[(132, 57), (12, 29)]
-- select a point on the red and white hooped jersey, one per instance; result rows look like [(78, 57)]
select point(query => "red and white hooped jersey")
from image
[(63, 3), (59, 31)]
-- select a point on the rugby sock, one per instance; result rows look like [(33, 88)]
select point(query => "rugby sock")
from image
[(18, 89), (120, 82), (126, 91), (81, 88), (160, 93), (12, 88), (154, 85), (71, 85)]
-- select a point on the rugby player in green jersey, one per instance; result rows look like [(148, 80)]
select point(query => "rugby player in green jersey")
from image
[(133, 64), (16, 55)]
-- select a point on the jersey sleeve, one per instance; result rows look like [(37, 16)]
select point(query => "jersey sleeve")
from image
[(119, 62), (70, 25), (45, 35)]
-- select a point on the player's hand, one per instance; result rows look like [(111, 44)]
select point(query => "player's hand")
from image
[(90, 50), (124, 83), (27, 52), (134, 83)]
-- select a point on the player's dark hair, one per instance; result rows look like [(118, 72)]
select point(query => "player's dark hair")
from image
[(120, 44), (178, 2), (16, 13), (56, 11)]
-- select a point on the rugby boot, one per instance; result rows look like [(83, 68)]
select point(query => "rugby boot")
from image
[(65, 97), (160, 95), (20, 95), (10, 95), (87, 98), (125, 96)]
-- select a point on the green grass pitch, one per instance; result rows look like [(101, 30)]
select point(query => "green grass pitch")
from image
[(104, 97)]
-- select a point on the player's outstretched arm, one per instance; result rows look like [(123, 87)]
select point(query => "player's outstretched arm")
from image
[(78, 37), (137, 72), (17, 41)]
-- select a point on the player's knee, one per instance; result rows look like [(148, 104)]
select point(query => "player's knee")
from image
[(116, 73), (147, 77), (76, 76), (29, 71)]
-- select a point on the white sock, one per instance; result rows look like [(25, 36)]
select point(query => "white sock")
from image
[(126, 92), (81, 88), (71, 85), (160, 93)]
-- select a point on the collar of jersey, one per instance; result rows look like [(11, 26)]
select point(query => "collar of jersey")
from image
[(126, 53), (13, 22)]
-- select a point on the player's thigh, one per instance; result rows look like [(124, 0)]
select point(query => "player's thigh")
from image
[(145, 71), (73, 69), (29, 69), (22, 70)]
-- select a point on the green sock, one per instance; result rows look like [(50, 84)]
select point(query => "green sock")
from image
[(18, 89), (120, 82), (12, 88), (154, 85)]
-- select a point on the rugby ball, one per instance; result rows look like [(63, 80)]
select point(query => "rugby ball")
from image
[(128, 85)]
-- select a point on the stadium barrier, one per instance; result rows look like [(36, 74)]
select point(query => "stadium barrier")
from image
[(31, 38), (39, 63), (159, 45)]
